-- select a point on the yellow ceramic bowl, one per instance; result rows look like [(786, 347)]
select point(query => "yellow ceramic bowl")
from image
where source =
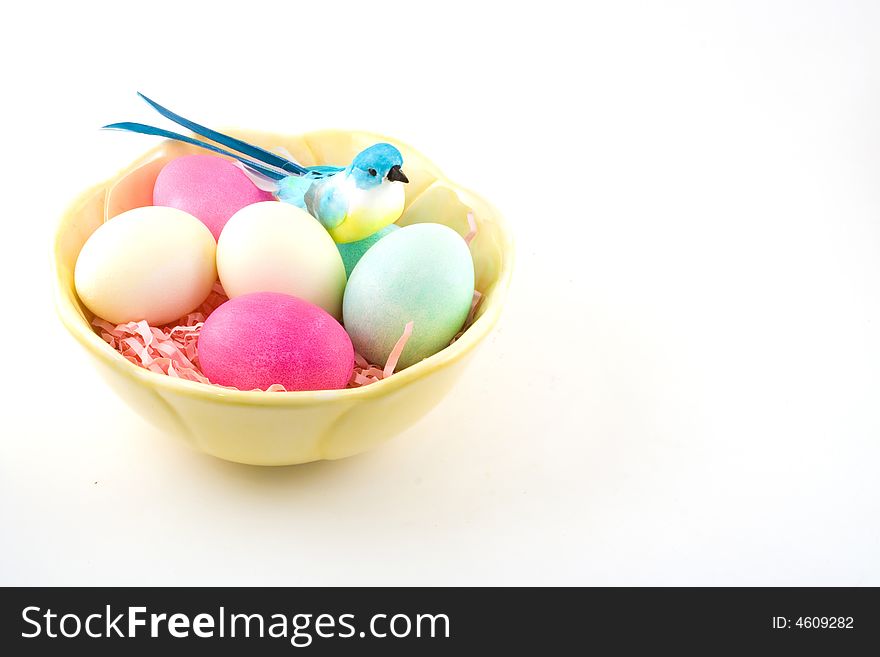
[(284, 428)]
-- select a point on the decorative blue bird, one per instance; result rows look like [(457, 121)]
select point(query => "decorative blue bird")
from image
[(351, 202)]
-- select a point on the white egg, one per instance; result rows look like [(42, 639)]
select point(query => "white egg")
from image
[(153, 263), (277, 247)]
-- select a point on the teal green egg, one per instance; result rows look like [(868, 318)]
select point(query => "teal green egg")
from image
[(422, 274), (352, 252)]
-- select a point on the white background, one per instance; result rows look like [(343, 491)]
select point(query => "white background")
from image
[(684, 386)]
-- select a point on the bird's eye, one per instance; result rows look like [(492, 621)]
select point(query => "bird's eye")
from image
[(372, 172)]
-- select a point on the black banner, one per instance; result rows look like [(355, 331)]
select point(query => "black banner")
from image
[(102, 621)]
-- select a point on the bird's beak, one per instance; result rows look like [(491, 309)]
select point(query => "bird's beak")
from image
[(397, 175)]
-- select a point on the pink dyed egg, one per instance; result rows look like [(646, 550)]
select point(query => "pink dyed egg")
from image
[(209, 188), (259, 339)]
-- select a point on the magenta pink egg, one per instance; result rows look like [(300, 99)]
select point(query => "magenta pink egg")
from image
[(209, 188), (259, 339)]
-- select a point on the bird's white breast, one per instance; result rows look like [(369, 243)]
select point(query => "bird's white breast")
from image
[(378, 201), (368, 209)]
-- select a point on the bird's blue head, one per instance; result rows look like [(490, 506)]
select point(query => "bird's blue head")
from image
[(376, 164)]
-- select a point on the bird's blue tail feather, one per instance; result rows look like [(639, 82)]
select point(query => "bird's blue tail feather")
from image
[(264, 162), (142, 129), (257, 153)]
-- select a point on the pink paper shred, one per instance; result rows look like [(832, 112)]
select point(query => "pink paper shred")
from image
[(173, 349), (472, 225), (475, 304)]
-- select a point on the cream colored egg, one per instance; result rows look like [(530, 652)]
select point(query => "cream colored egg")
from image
[(277, 247), (153, 263)]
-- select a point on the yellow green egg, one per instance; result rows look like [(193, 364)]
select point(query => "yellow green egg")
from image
[(422, 274)]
